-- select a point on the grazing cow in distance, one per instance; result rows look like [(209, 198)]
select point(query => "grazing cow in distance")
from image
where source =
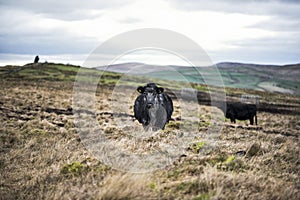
[(153, 108), (241, 111)]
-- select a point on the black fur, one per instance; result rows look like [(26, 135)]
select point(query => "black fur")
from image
[(153, 108), (241, 111)]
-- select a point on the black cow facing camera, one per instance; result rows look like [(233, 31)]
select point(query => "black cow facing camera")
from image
[(153, 108), (241, 111)]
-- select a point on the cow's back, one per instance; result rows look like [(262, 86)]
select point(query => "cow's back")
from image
[(241, 111)]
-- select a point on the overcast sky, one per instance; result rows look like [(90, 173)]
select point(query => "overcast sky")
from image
[(256, 31)]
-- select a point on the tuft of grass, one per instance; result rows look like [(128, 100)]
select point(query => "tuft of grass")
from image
[(219, 158), (101, 168), (196, 190), (152, 186), (230, 163), (192, 187), (74, 168), (2, 164), (173, 125), (253, 150), (226, 162), (175, 174), (126, 186), (196, 147), (203, 196), (37, 131), (113, 131), (204, 124), (229, 159)]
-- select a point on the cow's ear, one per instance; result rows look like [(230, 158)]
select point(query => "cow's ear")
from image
[(140, 89), (160, 90)]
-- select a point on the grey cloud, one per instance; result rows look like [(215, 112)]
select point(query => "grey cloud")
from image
[(255, 55), (284, 8), (278, 24), (283, 20), (272, 50), (274, 43), (65, 10), (130, 20), (290, 1), (58, 43), (22, 33)]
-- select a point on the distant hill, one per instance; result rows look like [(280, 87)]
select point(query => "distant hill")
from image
[(272, 78)]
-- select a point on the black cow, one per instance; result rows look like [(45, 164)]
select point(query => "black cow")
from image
[(241, 111), (153, 108)]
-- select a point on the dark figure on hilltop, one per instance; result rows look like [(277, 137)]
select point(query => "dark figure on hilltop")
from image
[(153, 108), (36, 59)]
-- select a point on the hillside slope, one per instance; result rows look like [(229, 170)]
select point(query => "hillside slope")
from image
[(42, 155), (272, 78)]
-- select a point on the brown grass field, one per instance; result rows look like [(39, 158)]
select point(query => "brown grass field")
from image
[(42, 156)]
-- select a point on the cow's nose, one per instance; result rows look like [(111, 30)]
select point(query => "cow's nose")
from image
[(149, 105)]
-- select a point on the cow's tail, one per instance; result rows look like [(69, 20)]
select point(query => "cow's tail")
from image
[(255, 119)]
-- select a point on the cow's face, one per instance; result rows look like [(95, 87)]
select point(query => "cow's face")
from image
[(150, 92)]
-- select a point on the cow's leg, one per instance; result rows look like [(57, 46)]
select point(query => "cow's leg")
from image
[(232, 120), (255, 119), (251, 120)]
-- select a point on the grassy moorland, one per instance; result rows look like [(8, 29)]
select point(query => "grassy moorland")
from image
[(42, 156)]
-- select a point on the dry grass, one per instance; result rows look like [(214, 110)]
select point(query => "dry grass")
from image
[(42, 156)]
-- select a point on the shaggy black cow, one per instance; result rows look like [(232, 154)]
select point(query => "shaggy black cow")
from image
[(153, 108), (241, 111)]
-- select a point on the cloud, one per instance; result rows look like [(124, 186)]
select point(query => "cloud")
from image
[(282, 49), (282, 14), (226, 29), (274, 37), (23, 32), (278, 24), (284, 8), (63, 10), (54, 44), (129, 20)]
